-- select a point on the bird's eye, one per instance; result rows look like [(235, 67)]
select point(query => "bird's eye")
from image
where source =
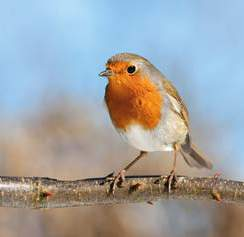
[(131, 69)]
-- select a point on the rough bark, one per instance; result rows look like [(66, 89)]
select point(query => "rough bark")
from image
[(39, 192)]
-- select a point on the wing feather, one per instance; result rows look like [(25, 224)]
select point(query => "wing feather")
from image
[(177, 103)]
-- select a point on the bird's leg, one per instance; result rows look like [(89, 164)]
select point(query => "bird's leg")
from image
[(172, 178), (120, 177)]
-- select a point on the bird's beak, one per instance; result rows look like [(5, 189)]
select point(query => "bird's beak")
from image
[(106, 73)]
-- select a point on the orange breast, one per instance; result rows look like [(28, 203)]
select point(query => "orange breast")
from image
[(133, 101)]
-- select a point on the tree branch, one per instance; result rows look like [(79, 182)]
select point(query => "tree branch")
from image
[(38, 192)]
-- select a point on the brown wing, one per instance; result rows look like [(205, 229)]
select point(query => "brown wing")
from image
[(171, 90)]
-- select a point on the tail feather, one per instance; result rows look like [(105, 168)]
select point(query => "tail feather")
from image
[(193, 158)]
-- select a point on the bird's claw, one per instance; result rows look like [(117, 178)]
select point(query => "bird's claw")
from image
[(171, 180), (117, 181), (110, 177)]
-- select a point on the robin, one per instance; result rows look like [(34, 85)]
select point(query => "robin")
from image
[(148, 112)]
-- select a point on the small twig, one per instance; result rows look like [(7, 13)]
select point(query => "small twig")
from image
[(37, 192)]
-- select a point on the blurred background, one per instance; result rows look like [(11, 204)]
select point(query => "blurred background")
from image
[(54, 122)]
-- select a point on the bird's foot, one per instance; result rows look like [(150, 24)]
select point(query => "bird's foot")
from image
[(108, 178), (171, 181), (114, 181), (117, 181), (217, 175)]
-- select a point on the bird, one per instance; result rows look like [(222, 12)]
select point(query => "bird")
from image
[(148, 112)]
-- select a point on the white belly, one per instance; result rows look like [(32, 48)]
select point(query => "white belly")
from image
[(170, 130)]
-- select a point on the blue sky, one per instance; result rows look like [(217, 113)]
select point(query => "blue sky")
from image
[(47, 46)]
